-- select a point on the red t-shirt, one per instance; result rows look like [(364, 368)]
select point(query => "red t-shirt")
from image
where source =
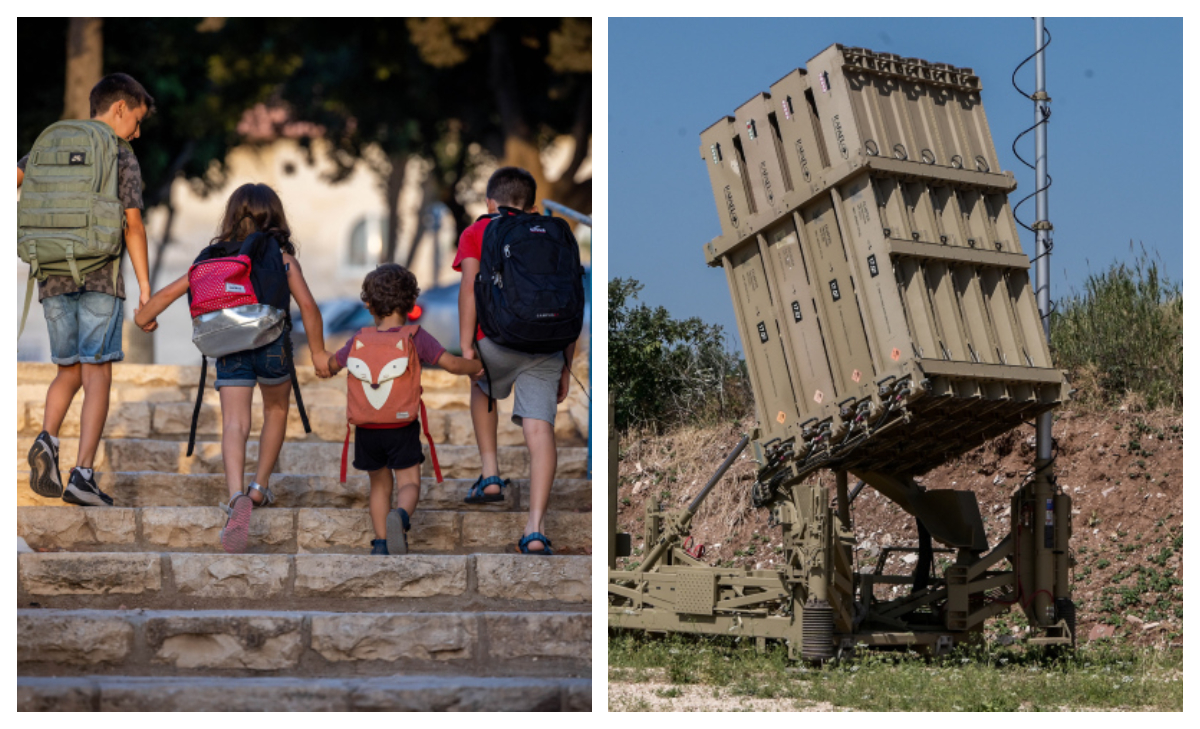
[(470, 245)]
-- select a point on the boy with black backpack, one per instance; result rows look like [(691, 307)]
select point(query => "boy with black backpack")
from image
[(81, 205), (520, 311)]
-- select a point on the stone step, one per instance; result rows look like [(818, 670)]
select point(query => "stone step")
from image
[(394, 693), (275, 530), (149, 488), (448, 423), (338, 582), (321, 459), (299, 643)]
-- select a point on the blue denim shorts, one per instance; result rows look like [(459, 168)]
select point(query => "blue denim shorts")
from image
[(266, 365), (84, 327)]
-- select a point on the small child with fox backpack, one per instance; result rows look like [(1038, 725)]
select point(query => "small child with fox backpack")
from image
[(520, 311), (383, 400), (253, 224), (97, 205)]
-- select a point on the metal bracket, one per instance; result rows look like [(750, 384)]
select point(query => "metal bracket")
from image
[(1043, 225)]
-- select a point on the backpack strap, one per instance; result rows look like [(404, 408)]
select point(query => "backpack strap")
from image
[(196, 410), (437, 470), (345, 450), (291, 357), (28, 298)]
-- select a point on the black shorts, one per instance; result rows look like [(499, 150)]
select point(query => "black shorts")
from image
[(395, 448)]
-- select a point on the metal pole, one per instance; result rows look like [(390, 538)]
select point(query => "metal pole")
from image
[(1044, 565), (1042, 226), (717, 476)]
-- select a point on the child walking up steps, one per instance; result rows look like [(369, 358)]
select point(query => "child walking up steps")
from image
[(384, 400), (244, 279)]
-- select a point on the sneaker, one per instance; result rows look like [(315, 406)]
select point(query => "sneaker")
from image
[(236, 533), (44, 476), (379, 546), (83, 491), (397, 526)]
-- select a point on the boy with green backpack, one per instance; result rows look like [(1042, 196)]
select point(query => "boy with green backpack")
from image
[(81, 205)]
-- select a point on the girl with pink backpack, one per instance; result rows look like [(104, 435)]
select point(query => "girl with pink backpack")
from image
[(384, 401), (239, 292)]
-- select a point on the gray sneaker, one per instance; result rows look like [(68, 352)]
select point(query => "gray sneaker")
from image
[(83, 491), (44, 477), (397, 538)]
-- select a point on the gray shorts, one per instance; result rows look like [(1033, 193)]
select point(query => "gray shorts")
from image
[(535, 377)]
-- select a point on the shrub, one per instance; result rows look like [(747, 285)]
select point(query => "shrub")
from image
[(665, 372), (1123, 336)]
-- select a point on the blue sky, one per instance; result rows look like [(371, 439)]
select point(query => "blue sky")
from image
[(1115, 138)]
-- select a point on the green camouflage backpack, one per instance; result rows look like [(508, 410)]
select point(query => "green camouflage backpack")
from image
[(69, 219)]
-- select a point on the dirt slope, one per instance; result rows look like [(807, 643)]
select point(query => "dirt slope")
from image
[(1123, 470)]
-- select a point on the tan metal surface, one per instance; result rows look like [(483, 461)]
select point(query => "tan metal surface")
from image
[(873, 239)]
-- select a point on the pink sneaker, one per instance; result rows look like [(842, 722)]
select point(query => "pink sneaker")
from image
[(236, 533)]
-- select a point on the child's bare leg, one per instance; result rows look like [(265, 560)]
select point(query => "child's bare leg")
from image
[(381, 500), (97, 381), (408, 484), (485, 425), (543, 462), (235, 430), (276, 399), (59, 396)]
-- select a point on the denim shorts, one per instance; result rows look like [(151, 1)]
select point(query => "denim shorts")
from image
[(266, 365), (84, 327)]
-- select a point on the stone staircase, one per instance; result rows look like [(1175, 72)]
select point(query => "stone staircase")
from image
[(136, 607)]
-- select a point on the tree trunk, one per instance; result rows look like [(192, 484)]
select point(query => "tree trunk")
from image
[(85, 65), (392, 187), (162, 196), (161, 248), (565, 190)]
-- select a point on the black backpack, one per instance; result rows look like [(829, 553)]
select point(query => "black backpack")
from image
[(268, 276), (529, 291)]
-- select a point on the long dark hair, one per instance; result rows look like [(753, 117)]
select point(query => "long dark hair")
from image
[(254, 207)]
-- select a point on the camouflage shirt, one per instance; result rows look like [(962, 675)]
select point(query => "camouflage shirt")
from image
[(129, 190)]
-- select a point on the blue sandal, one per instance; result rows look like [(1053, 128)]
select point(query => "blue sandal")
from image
[(476, 494), (523, 545)]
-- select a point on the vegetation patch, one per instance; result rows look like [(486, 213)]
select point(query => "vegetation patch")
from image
[(1100, 676)]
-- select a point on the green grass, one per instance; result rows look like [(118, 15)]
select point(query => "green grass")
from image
[(1123, 335), (1098, 676)]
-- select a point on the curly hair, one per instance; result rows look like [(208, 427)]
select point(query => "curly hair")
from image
[(390, 288)]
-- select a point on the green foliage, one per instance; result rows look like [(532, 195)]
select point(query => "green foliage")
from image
[(665, 372), (1098, 676), (1122, 335)]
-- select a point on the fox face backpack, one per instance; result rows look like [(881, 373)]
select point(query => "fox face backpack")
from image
[(383, 389)]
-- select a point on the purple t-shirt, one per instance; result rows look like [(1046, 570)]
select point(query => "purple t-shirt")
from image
[(429, 350)]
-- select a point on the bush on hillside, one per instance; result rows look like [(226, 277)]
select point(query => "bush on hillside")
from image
[(1123, 336), (664, 372)]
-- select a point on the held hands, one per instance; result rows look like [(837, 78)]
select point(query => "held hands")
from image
[(468, 352), (143, 298), (320, 362)]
